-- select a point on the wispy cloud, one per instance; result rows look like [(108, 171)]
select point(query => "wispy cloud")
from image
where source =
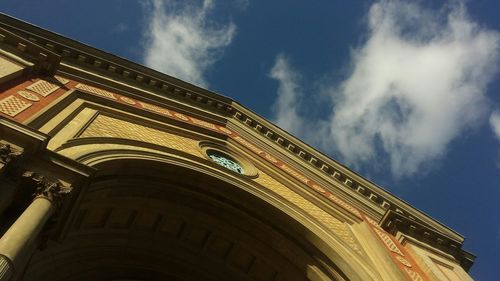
[(495, 123), (121, 27), (182, 41), (416, 83), (495, 126), (241, 4), (285, 108)]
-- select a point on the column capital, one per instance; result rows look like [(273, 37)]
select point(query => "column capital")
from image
[(8, 153), (45, 187)]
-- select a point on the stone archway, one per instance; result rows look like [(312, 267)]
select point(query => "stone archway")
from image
[(147, 220)]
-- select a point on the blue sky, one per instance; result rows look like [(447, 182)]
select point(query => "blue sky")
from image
[(405, 93)]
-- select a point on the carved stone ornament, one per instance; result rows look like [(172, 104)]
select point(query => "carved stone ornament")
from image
[(7, 153), (52, 189)]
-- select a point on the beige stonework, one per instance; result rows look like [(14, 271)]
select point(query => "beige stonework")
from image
[(337, 227), (438, 265), (105, 126), (9, 69)]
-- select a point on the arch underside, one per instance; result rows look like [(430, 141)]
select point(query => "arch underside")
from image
[(146, 220)]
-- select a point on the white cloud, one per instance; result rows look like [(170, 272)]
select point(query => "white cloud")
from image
[(121, 27), (289, 95), (416, 83), (182, 41), (495, 127), (495, 123), (241, 4)]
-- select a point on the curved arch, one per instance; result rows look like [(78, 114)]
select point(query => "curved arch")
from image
[(146, 163)]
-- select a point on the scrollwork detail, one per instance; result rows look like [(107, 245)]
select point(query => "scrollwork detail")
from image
[(52, 189)]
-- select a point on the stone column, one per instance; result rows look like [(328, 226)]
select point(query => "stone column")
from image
[(7, 190), (16, 243)]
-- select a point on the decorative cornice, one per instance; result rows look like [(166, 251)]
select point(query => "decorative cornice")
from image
[(316, 160), (76, 53), (45, 61), (333, 169), (394, 222)]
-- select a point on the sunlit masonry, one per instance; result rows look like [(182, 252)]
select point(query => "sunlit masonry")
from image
[(113, 171)]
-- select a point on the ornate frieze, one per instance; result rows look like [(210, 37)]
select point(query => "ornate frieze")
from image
[(30, 95), (13, 105), (96, 91), (43, 87)]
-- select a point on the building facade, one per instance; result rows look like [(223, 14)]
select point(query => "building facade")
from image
[(112, 171)]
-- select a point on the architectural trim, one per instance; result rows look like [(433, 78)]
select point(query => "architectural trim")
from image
[(333, 170), (44, 61), (73, 52), (395, 223)]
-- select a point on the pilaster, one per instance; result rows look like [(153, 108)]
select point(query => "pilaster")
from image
[(17, 243), (6, 268)]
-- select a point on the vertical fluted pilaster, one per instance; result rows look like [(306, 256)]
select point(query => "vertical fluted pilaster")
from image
[(6, 268), (17, 243)]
